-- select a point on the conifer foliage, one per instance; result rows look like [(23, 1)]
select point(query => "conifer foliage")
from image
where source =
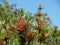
[(18, 27)]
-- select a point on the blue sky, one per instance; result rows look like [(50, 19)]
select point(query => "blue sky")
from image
[(51, 7)]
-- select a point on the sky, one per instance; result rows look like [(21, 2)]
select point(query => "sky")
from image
[(51, 7)]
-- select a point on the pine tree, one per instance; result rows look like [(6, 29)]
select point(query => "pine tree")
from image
[(18, 27)]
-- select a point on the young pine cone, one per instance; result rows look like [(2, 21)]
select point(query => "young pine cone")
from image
[(42, 36), (40, 7), (40, 23), (1, 41), (7, 32), (30, 34), (20, 25)]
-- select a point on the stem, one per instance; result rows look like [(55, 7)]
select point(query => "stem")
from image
[(5, 23), (56, 39), (22, 40), (53, 37), (39, 30), (29, 42), (6, 40), (40, 43)]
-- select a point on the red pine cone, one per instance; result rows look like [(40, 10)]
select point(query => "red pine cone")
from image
[(40, 23), (20, 25), (30, 34), (7, 32), (1, 41), (42, 35)]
